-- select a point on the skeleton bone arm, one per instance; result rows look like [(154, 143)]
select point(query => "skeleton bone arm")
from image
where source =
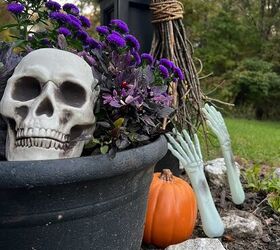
[(190, 156), (216, 122)]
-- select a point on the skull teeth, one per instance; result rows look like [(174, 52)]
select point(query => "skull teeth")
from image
[(41, 132), (39, 142)]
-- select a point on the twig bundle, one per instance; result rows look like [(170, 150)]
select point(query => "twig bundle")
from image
[(170, 41)]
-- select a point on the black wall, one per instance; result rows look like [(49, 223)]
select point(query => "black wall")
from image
[(135, 13)]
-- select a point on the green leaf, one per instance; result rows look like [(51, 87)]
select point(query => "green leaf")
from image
[(7, 26), (104, 149), (119, 122)]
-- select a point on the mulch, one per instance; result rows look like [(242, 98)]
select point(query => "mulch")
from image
[(254, 203)]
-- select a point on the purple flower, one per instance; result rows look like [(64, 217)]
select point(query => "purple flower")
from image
[(178, 73), (64, 31), (102, 30), (132, 42), (136, 57), (71, 9), (167, 63), (164, 71), (74, 22), (147, 58), (85, 22), (52, 5), (60, 17), (45, 42), (119, 25), (92, 43), (82, 35), (116, 40), (15, 8)]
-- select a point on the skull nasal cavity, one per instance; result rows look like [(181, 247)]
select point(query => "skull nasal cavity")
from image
[(45, 108)]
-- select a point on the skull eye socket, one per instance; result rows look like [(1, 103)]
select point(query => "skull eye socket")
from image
[(73, 94), (26, 88)]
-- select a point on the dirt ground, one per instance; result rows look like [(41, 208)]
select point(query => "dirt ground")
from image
[(255, 203)]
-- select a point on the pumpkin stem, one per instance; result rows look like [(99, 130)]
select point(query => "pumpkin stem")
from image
[(166, 175)]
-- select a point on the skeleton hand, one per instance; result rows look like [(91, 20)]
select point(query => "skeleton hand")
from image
[(216, 122), (189, 154)]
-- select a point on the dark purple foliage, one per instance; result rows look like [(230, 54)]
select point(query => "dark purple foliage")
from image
[(132, 42), (85, 22), (164, 71), (64, 31), (15, 8), (71, 9), (102, 30), (52, 5), (119, 25), (147, 58)]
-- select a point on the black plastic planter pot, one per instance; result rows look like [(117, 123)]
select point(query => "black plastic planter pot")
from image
[(79, 203)]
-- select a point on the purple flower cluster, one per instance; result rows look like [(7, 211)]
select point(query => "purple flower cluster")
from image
[(119, 25), (52, 5), (147, 58), (166, 63), (116, 39), (85, 22), (64, 31), (15, 8), (132, 42), (102, 30), (178, 73), (164, 71), (71, 9)]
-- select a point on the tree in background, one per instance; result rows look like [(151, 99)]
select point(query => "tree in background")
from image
[(227, 34)]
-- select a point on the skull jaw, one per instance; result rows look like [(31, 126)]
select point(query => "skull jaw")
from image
[(15, 153)]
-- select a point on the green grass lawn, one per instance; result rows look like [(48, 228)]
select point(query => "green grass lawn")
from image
[(257, 141)]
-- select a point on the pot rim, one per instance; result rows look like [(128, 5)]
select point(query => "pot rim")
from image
[(28, 174)]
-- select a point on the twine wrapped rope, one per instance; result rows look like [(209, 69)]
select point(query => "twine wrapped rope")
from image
[(166, 11), (170, 41)]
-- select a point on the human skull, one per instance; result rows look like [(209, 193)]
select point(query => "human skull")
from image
[(48, 104)]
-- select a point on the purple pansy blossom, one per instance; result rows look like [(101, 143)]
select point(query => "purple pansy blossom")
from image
[(64, 31), (71, 9), (116, 40), (52, 5), (166, 63), (119, 25), (85, 22), (15, 8), (178, 73), (164, 71), (148, 58), (132, 42), (102, 30)]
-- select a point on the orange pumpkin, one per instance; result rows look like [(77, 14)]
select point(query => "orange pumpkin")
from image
[(171, 212)]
